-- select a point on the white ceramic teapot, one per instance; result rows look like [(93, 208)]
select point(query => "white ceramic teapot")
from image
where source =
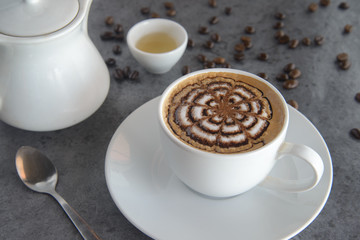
[(51, 74)]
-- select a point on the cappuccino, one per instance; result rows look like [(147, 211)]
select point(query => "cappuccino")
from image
[(223, 112)]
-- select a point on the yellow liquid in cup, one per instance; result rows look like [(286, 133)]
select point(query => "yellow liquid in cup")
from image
[(158, 42)]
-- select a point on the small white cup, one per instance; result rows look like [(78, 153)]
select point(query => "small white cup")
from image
[(157, 63), (226, 175)]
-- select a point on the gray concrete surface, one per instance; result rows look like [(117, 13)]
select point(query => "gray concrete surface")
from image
[(325, 95)]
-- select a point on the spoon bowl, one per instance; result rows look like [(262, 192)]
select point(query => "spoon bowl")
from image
[(39, 174)]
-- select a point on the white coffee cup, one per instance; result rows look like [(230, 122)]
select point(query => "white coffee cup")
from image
[(157, 63), (230, 174)]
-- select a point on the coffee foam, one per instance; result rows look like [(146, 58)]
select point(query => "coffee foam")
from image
[(223, 112)]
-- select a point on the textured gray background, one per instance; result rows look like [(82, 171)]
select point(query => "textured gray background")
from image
[(325, 95)]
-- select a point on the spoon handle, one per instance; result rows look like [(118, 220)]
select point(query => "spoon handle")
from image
[(83, 227)]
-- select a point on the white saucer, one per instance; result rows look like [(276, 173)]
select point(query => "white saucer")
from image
[(157, 203)]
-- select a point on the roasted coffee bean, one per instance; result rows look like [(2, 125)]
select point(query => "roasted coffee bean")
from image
[(263, 56), (344, 5), (341, 57), (355, 133), (109, 20), (291, 84), (215, 37), (209, 45), (118, 74), (306, 41), (185, 70), (357, 97), (319, 40), (289, 67), (107, 36), (119, 37), (245, 39), (145, 10), (240, 47), (228, 10), (127, 72), (325, 3), (348, 28), (118, 28), (169, 5), (201, 58), (313, 7), (278, 25), (263, 75), (280, 16), (282, 77), (212, 3), (154, 15), (279, 34), (293, 103), (226, 65), (248, 45), (284, 39), (110, 62), (203, 30), (171, 12), (209, 64), (249, 29), (191, 43), (239, 56), (296, 73), (134, 75), (214, 20), (219, 60), (117, 49), (293, 43), (345, 65)]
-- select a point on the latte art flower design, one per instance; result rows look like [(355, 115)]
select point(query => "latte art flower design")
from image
[(221, 114)]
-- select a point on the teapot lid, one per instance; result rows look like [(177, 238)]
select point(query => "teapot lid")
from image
[(30, 18)]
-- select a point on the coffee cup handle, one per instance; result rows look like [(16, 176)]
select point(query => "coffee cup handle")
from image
[(300, 185)]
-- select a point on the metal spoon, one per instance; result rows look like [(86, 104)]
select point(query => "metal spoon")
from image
[(39, 174)]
